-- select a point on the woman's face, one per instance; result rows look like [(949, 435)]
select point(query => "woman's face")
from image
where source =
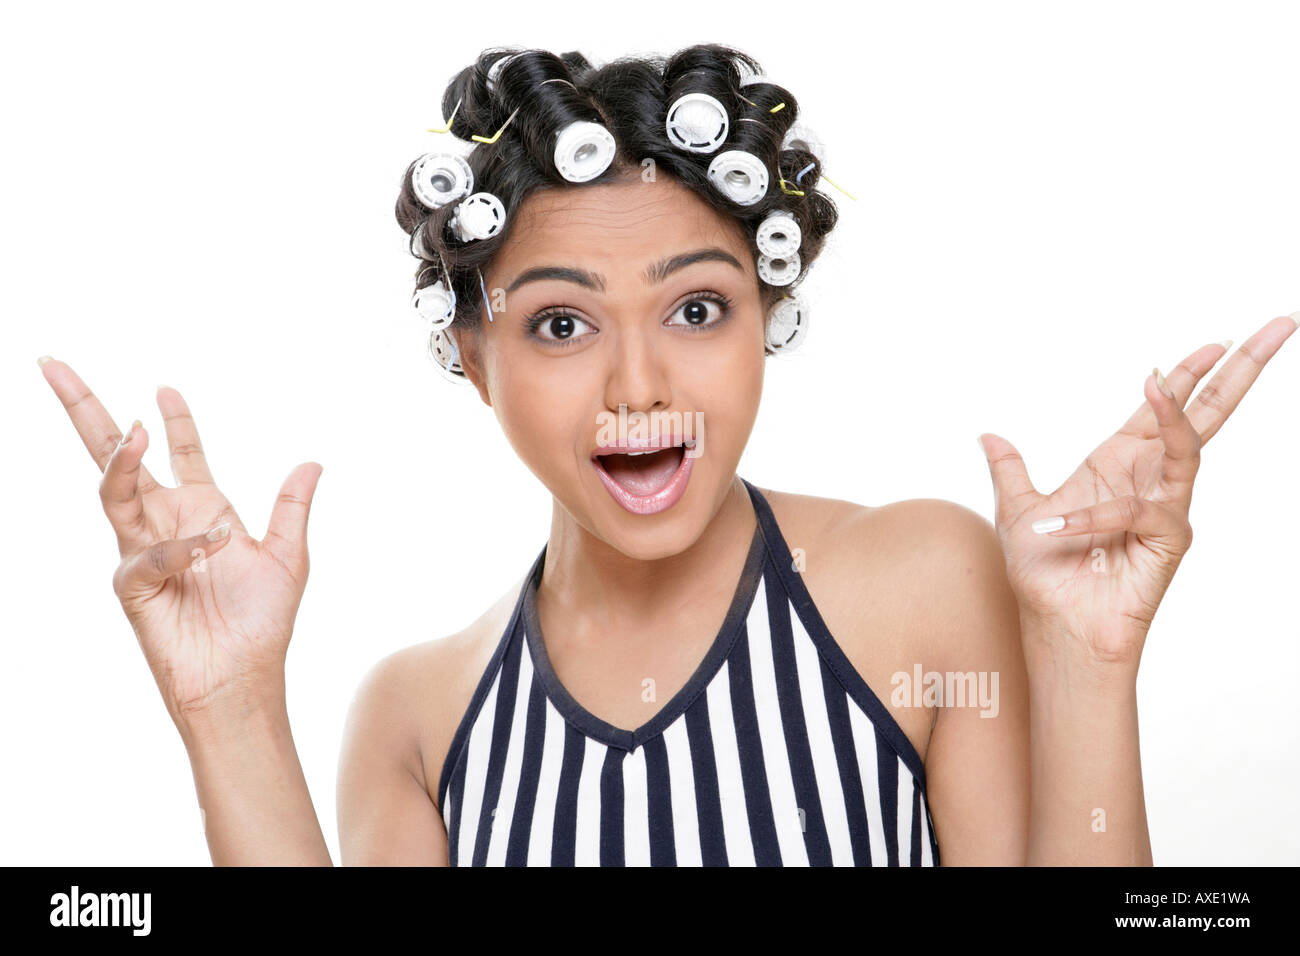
[(595, 306)]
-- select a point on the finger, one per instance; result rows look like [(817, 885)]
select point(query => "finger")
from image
[(119, 491), (145, 570), (92, 421), (1182, 454), (1013, 491), (188, 462), (1219, 397), (1148, 519), (1182, 379), (286, 534)]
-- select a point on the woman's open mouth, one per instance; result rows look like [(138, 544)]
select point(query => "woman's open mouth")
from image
[(645, 476)]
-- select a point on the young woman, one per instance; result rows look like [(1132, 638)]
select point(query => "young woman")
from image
[(693, 671)]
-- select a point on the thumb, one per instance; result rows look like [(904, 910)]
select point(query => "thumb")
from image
[(1012, 489), (286, 535)]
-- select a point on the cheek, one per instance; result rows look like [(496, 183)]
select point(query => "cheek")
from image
[(744, 388), (734, 375), (536, 417), (728, 393)]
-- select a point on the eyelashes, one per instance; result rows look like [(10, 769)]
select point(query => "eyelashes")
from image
[(534, 323), (549, 314), (723, 301)]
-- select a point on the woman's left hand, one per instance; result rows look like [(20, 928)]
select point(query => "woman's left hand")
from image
[(1122, 516)]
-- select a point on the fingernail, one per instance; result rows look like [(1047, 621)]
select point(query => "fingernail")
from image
[(43, 359), (219, 532), (983, 450), (1044, 525), (1227, 344), (130, 432), (1160, 384), (1295, 317)]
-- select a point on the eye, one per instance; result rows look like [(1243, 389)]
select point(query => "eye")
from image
[(556, 326), (701, 310)]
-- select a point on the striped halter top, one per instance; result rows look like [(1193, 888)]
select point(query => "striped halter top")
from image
[(775, 752)]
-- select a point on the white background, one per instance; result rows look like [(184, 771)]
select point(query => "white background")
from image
[(1051, 199)]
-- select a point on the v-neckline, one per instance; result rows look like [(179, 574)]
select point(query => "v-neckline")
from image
[(619, 737)]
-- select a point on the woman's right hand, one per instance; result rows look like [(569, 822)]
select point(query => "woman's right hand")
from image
[(214, 627)]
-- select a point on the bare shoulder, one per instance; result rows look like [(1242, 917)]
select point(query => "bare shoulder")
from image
[(897, 585), (920, 547), (416, 697)]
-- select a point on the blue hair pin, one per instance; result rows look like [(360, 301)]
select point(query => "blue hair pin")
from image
[(483, 286)]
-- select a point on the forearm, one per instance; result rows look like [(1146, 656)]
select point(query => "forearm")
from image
[(1086, 800), (252, 792)]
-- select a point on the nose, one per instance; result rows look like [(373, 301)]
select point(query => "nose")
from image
[(638, 376)]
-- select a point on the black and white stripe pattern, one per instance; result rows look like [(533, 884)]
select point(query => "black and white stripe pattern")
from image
[(776, 752)]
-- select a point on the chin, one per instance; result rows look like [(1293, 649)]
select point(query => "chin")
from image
[(649, 539)]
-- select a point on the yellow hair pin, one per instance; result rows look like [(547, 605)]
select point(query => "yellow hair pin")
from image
[(497, 135), (447, 128), (839, 187), (779, 106)]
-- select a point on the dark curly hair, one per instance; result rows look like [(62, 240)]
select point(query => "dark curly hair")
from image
[(630, 97)]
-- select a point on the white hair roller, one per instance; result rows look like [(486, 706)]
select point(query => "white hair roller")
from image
[(446, 355), (787, 325), (440, 178), (778, 235), (583, 151), (480, 216), (697, 122), (740, 176), (804, 138), (781, 271), (436, 305)]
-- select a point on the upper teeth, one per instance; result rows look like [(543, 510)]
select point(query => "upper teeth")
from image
[(651, 451)]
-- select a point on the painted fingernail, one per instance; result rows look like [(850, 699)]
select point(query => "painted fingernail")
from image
[(1044, 525), (1161, 384), (1295, 317), (219, 532), (43, 359), (1226, 344)]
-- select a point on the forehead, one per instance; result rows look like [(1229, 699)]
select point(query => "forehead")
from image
[(616, 228)]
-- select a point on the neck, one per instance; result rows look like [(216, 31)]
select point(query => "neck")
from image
[(585, 577)]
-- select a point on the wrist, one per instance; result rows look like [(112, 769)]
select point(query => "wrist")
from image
[(233, 712), (1062, 662)]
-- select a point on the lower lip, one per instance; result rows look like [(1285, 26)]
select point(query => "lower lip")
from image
[(661, 500)]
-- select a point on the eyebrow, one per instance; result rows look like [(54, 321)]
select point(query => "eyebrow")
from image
[(654, 274)]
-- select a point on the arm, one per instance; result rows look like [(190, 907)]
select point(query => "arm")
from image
[(213, 609), (385, 814), (1023, 786), (256, 806), (977, 759), (252, 793), (1026, 786), (1089, 565), (399, 730), (1087, 802)]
